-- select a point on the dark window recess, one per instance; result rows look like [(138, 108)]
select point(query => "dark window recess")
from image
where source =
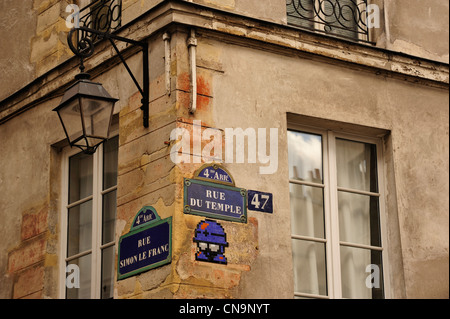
[(341, 18)]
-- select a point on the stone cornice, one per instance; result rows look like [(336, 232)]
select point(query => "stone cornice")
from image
[(303, 41), (235, 28)]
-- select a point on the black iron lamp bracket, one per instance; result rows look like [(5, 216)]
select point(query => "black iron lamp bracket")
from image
[(85, 48)]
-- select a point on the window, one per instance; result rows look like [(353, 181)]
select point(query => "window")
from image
[(342, 18), (88, 220), (337, 215)]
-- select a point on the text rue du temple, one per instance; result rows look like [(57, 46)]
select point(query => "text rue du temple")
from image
[(211, 204)]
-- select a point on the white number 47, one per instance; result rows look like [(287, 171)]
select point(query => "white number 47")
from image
[(255, 201)]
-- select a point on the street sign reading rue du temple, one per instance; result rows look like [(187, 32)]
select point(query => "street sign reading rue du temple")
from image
[(148, 244), (211, 193)]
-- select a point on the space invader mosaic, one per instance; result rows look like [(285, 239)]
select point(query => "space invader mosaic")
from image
[(211, 241)]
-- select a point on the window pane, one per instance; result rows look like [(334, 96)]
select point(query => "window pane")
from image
[(80, 177), (109, 217), (309, 267), (307, 213), (340, 17), (359, 220), (108, 273), (110, 162), (84, 266), (300, 13), (305, 157), (359, 280), (79, 229), (356, 165)]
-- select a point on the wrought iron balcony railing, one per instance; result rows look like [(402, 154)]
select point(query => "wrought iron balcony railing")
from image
[(102, 15), (342, 18)]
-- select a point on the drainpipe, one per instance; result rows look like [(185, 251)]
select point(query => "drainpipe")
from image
[(166, 38), (192, 45)]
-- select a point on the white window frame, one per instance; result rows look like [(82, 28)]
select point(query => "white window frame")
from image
[(97, 220), (331, 214)]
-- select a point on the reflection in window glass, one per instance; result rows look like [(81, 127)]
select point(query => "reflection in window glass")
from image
[(107, 290), (356, 165), (359, 220), (79, 237), (109, 217), (84, 279), (305, 157), (307, 211), (80, 177), (110, 162), (91, 215), (310, 274), (354, 264), (335, 219)]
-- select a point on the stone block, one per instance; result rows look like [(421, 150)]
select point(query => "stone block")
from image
[(131, 125), (209, 56), (42, 5), (34, 223), (204, 107), (29, 281), (204, 82), (127, 210), (158, 87), (227, 4), (44, 45), (201, 145), (49, 17), (27, 254), (144, 180), (140, 152)]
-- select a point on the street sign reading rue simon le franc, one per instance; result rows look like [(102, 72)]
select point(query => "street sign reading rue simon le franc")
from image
[(148, 244), (211, 193)]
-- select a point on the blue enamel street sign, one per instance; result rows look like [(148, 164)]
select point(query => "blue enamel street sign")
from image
[(215, 200), (145, 216), (145, 248), (260, 202), (215, 173)]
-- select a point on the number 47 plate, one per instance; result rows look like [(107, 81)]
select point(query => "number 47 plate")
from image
[(260, 202)]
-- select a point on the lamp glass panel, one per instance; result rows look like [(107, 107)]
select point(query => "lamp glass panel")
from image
[(96, 117), (71, 120)]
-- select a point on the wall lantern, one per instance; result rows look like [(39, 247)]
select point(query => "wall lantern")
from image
[(86, 108), (85, 111)]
